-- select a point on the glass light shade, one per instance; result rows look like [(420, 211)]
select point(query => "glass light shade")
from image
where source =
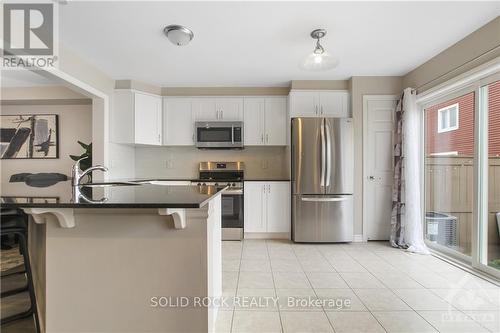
[(318, 61)]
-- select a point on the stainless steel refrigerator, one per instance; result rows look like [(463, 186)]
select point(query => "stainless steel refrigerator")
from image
[(322, 179)]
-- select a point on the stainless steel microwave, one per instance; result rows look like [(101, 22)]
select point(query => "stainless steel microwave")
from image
[(219, 134)]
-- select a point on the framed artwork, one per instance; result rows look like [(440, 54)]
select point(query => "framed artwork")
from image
[(29, 136)]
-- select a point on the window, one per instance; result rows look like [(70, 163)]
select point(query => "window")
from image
[(462, 171), (448, 118), (449, 167)]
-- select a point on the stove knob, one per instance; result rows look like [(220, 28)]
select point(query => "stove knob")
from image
[(199, 184), (233, 184), (216, 184)]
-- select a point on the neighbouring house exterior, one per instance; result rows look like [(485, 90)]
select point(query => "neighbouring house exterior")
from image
[(450, 125)]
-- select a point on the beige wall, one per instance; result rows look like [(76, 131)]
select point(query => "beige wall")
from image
[(360, 86), (152, 162), (42, 93), (475, 49), (75, 123), (320, 84), (224, 91)]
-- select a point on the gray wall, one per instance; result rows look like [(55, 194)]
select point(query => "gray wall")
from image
[(475, 49)]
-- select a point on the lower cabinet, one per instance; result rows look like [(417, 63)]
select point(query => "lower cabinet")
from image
[(267, 207)]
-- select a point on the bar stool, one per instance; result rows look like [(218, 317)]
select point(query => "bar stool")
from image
[(14, 222)]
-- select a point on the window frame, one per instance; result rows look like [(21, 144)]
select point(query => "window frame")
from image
[(448, 110), (472, 80)]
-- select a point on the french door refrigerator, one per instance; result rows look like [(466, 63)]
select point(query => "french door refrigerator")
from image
[(322, 179)]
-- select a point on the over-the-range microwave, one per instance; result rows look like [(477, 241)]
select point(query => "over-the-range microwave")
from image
[(219, 134)]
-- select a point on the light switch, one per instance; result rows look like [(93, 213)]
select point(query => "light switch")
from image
[(264, 164), (169, 164)]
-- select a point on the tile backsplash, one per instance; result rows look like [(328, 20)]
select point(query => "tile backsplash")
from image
[(182, 162)]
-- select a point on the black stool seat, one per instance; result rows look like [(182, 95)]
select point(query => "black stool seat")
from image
[(15, 223)]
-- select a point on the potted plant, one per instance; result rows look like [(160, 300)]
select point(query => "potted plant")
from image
[(86, 155)]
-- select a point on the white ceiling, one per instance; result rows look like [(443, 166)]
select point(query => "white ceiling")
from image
[(261, 43), (24, 78)]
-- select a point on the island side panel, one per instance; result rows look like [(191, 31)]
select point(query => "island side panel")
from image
[(214, 257), (102, 274), (36, 246)]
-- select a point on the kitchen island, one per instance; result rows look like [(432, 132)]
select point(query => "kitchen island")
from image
[(119, 258)]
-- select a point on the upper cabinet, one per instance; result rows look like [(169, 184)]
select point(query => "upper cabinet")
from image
[(218, 109), (178, 123), (137, 118), (323, 103), (265, 121)]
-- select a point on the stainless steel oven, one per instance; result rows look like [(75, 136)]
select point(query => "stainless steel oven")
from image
[(219, 134), (230, 175)]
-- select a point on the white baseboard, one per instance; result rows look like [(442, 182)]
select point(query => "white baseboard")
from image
[(358, 239), (267, 235)]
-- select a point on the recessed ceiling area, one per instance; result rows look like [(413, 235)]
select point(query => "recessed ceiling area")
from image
[(261, 43)]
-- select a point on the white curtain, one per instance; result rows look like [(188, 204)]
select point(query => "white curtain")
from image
[(406, 221)]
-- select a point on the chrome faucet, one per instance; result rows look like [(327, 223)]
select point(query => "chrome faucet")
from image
[(77, 175)]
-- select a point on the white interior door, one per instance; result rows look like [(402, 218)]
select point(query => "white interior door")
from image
[(378, 119)]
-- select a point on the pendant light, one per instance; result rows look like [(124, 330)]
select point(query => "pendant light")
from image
[(319, 59)]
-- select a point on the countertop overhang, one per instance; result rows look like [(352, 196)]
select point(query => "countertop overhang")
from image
[(61, 195)]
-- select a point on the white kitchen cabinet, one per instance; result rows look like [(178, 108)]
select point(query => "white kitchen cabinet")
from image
[(304, 103), (323, 103), (204, 109), (137, 118), (255, 207), (265, 121), (230, 108), (276, 121), (254, 127), (278, 207), (267, 207), (178, 123), (218, 109)]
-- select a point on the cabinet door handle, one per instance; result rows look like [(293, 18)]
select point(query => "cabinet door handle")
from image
[(262, 138), (267, 138), (159, 138), (321, 109), (316, 109), (221, 114)]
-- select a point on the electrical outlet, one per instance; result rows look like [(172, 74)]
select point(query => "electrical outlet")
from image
[(264, 164)]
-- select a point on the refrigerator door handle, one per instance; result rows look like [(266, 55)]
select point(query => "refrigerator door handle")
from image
[(323, 153), (328, 154), (322, 199)]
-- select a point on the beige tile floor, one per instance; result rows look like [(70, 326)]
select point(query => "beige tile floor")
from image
[(357, 288)]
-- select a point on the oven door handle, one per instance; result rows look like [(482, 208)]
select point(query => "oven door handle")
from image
[(232, 134), (232, 192)]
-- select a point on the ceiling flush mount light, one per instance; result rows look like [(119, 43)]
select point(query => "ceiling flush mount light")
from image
[(178, 34), (319, 59)]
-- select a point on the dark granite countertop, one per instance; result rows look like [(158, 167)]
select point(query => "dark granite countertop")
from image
[(60, 195)]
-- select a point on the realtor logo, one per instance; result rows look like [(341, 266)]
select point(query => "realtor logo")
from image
[(28, 35)]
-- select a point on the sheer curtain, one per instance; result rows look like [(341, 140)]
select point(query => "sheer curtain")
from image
[(406, 219)]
